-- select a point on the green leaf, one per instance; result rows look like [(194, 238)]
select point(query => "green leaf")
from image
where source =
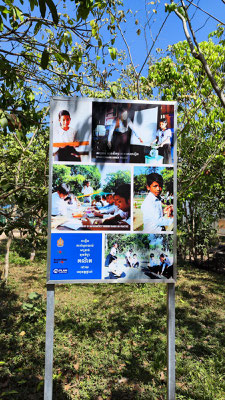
[(34, 296), (42, 6), (170, 7), (27, 306), (112, 52), (3, 122), (37, 27), (19, 14), (9, 393), (113, 90), (53, 10), (44, 59)]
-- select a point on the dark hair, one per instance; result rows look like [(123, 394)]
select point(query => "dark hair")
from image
[(163, 120), (154, 177), (97, 197), (63, 188), (151, 255), (134, 255), (109, 194), (63, 112), (85, 182), (162, 255), (123, 191), (103, 197)]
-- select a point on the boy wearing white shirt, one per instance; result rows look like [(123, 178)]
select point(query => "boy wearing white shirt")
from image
[(59, 205), (153, 217), (65, 134), (87, 192)]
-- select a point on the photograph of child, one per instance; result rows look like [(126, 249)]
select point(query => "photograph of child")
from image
[(91, 198), (132, 133), (72, 131), (164, 140), (153, 199), (124, 263)]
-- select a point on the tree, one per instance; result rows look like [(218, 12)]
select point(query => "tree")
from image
[(46, 49), (196, 50), (179, 76), (75, 175), (115, 179)]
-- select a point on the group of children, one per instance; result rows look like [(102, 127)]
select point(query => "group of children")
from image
[(163, 267), (112, 209), (111, 262), (115, 213), (156, 268)]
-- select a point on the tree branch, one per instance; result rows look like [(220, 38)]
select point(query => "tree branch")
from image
[(198, 54)]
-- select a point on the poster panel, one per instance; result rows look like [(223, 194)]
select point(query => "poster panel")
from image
[(112, 191)]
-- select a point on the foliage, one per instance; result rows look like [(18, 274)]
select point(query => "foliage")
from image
[(49, 49), (75, 176), (115, 179), (179, 76)]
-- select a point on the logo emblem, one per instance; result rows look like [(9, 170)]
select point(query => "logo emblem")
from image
[(60, 242)]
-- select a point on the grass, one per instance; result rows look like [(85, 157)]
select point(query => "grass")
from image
[(110, 340)]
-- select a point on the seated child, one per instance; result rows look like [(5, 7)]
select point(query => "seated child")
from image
[(59, 205), (97, 201), (109, 208), (122, 201), (65, 134), (104, 201), (120, 219), (134, 261)]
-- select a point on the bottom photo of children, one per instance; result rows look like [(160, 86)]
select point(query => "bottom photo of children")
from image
[(138, 257)]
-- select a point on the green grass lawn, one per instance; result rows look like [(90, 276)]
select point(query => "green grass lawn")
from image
[(110, 340)]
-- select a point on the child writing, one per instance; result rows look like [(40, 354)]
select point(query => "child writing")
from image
[(153, 216), (65, 134)]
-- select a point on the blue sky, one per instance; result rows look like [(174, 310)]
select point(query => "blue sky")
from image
[(172, 31), (143, 170)]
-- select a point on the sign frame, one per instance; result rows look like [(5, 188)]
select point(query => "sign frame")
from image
[(65, 100)]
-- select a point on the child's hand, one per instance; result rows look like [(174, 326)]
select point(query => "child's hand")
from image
[(86, 222), (168, 211), (97, 214)]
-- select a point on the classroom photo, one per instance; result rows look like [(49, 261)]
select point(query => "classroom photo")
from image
[(132, 133), (93, 198)]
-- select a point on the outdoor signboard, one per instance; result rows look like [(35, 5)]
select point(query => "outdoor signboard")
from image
[(112, 191)]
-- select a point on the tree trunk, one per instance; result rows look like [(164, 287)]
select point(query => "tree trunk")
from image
[(32, 254), (6, 265)]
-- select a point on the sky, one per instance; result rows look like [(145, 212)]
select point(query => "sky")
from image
[(172, 31)]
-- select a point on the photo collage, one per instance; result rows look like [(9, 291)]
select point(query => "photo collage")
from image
[(112, 201)]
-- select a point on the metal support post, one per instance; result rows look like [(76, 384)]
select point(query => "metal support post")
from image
[(171, 383), (49, 342)]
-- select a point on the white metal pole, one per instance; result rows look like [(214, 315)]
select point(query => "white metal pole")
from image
[(171, 382), (49, 342)]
